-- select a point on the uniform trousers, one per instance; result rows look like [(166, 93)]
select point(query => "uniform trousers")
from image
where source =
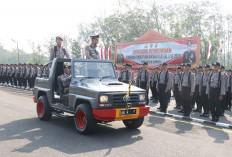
[(163, 97), (228, 98), (176, 93), (186, 100), (15, 81), (196, 98), (215, 104), (205, 100), (154, 90)]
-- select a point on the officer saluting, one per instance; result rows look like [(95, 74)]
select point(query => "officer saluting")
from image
[(216, 90), (143, 79), (187, 87), (202, 91), (164, 85), (90, 50), (126, 75)]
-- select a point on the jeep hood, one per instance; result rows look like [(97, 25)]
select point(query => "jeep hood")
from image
[(109, 86)]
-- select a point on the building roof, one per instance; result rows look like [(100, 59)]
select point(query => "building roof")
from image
[(151, 36)]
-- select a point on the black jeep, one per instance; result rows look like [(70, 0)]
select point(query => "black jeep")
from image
[(95, 95)]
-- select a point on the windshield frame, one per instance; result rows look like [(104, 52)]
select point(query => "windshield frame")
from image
[(91, 60)]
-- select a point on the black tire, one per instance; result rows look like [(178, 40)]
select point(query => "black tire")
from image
[(88, 123), (133, 123), (43, 109)]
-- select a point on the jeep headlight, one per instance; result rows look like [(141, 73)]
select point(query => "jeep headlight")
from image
[(142, 97), (104, 98)]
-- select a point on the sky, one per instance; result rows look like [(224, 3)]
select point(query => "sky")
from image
[(36, 21)]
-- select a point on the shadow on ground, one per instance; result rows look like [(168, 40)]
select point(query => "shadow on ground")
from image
[(60, 134), (219, 136)]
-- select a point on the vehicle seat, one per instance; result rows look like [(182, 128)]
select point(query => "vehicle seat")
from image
[(63, 96)]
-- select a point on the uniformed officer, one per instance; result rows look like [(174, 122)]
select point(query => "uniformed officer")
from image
[(176, 84), (194, 71), (16, 75), (20, 76), (90, 50), (58, 51), (189, 55), (143, 79), (182, 65), (202, 91), (164, 85), (28, 73), (223, 101), (40, 70), (65, 79), (153, 84), (33, 75), (228, 93), (45, 71), (2, 74), (12, 74), (196, 95), (133, 75), (7, 74), (126, 75), (187, 87), (216, 90), (24, 78)]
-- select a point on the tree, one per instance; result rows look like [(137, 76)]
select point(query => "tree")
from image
[(75, 49)]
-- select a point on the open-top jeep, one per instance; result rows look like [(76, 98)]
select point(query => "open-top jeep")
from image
[(95, 95)]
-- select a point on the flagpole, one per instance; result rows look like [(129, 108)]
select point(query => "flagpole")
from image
[(224, 53), (228, 66)]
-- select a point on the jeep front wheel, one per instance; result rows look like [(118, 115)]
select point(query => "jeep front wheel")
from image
[(43, 109), (133, 123), (84, 120)]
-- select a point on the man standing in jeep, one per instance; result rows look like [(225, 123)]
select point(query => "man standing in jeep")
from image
[(58, 51), (90, 50)]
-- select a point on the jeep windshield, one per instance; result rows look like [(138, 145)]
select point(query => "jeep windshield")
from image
[(91, 70)]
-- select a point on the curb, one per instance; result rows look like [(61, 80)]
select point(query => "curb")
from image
[(218, 124)]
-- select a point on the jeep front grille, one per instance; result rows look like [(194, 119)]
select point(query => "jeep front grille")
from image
[(119, 98)]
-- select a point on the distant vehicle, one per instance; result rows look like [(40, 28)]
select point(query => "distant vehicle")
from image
[(95, 95)]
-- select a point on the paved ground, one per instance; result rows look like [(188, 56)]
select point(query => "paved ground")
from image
[(22, 135)]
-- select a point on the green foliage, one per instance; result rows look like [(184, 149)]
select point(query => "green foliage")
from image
[(76, 49)]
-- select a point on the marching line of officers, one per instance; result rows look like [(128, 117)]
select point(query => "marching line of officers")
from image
[(22, 75), (210, 89)]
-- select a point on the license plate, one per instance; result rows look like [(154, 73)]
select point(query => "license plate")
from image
[(125, 112)]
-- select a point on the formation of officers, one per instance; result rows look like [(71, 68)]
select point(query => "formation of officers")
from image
[(22, 75), (203, 89)]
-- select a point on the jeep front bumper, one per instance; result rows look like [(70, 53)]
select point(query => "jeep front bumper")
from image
[(114, 114)]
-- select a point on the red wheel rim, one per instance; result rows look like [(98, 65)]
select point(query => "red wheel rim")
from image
[(81, 119), (40, 108)]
